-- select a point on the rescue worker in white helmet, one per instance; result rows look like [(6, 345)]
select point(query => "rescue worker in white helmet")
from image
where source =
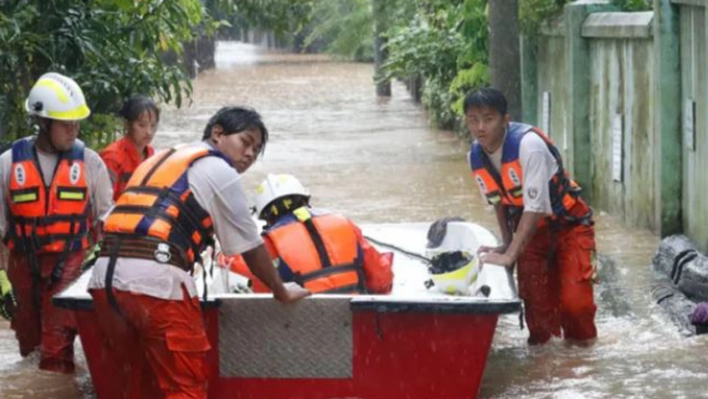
[(55, 190), (321, 251)]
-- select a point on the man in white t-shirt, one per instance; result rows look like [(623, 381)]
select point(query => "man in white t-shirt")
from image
[(54, 192), (175, 203), (546, 227)]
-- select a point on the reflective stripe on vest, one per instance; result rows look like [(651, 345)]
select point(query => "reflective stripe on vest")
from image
[(507, 188), (322, 252), (47, 219), (158, 203)]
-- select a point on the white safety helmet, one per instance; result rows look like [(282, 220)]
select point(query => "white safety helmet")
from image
[(277, 186), (55, 96), (453, 273)]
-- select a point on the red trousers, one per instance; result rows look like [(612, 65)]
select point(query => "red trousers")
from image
[(160, 344), (555, 282), (36, 322)]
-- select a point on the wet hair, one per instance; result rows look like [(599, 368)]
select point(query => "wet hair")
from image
[(486, 97), (236, 120), (136, 106)]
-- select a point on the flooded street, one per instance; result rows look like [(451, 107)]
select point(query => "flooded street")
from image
[(377, 160)]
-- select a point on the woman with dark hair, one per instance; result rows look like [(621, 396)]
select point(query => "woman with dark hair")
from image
[(140, 119)]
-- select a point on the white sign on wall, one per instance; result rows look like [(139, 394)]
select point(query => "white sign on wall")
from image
[(689, 124), (546, 113), (617, 142)]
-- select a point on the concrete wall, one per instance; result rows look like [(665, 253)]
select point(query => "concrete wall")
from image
[(695, 157), (552, 85), (615, 52), (621, 97), (647, 78)]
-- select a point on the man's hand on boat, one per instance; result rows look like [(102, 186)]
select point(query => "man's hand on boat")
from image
[(496, 255), (259, 262), (498, 259), (495, 250), (290, 293)]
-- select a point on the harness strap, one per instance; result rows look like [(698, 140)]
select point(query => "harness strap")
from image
[(129, 246), (35, 271), (319, 243), (61, 262), (110, 270), (360, 287)]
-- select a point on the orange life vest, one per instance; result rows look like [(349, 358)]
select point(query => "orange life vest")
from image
[(321, 253), (158, 206), (47, 219), (506, 188), (121, 158)]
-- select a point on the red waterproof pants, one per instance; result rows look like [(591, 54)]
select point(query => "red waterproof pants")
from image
[(156, 342), (555, 282), (36, 322)]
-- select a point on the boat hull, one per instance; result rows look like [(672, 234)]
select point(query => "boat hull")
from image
[(398, 350), (414, 344)]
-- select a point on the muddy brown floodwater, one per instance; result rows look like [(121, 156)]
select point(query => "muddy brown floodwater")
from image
[(377, 160)]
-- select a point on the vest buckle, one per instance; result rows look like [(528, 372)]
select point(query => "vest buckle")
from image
[(162, 253)]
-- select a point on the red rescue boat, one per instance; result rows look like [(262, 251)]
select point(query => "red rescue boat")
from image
[(415, 343)]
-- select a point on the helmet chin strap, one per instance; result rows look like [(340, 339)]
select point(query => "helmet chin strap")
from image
[(45, 130)]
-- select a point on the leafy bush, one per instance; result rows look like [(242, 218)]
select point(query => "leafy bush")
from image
[(633, 5), (446, 43), (285, 18), (534, 13), (112, 48)]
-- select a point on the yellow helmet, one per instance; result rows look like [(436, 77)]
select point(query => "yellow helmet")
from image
[(55, 96)]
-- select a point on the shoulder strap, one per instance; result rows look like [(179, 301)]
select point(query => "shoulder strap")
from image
[(318, 242)]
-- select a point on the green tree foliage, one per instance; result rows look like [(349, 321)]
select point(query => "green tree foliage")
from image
[(442, 42), (445, 42), (534, 13), (285, 18), (112, 48), (342, 27), (633, 5)]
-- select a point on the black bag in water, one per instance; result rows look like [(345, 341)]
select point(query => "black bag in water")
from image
[(672, 251), (678, 260), (675, 303), (691, 277)]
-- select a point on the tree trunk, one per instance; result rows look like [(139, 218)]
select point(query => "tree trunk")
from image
[(383, 88), (504, 53)]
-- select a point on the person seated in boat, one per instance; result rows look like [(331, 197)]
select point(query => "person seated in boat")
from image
[(321, 251)]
